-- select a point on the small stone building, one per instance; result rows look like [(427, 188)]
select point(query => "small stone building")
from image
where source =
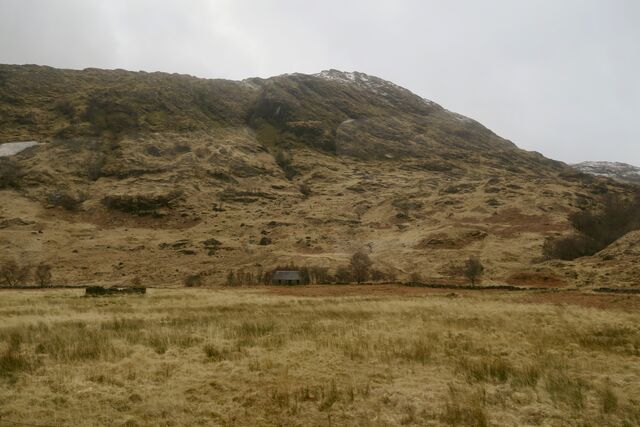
[(286, 278)]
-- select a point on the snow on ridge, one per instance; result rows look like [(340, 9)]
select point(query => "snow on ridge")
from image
[(617, 170), (374, 84), (361, 79)]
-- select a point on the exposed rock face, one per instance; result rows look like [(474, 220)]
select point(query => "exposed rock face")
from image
[(164, 162)]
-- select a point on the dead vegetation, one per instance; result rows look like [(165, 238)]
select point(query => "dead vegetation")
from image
[(10, 173), (247, 358), (596, 228), (142, 204)]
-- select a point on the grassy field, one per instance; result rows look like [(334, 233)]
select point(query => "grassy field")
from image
[(367, 356)]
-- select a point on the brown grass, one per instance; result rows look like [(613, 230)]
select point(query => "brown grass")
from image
[(258, 357)]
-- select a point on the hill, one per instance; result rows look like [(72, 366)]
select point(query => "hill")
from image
[(619, 171), (163, 176)]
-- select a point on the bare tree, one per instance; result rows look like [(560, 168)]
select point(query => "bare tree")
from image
[(415, 277), (231, 278), (13, 274), (473, 269), (377, 275), (360, 266), (43, 275), (343, 274)]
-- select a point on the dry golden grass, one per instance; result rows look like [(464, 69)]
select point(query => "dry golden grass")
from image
[(247, 357)]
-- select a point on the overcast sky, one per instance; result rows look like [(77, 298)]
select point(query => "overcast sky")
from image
[(557, 76)]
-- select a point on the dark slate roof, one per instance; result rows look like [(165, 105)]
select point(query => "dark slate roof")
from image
[(287, 275)]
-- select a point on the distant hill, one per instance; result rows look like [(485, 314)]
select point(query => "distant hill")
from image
[(618, 171), (166, 176)]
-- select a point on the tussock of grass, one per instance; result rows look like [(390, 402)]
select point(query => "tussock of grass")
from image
[(77, 343), (467, 409), (486, 369), (416, 351), (13, 362), (609, 400), (215, 353), (323, 396), (612, 339), (527, 376), (566, 389), (255, 329)]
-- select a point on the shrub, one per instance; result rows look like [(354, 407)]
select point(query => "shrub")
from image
[(284, 160), (110, 117), (94, 166), (141, 204), (66, 108), (43, 275), (305, 190), (343, 274), (62, 198), (378, 275), (13, 274), (360, 265), (10, 173), (596, 229), (569, 248), (193, 280), (241, 278), (473, 269), (154, 151), (264, 241), (319, 275), (415, 277)]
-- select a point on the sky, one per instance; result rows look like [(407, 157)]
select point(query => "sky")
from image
[(561, 77)]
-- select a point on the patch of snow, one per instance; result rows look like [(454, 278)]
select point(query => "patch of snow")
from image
[(12, 148), (609, 169), (374, 84), (250, 84)]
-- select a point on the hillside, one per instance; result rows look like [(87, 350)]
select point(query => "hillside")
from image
[(619, 171), (162, 176)]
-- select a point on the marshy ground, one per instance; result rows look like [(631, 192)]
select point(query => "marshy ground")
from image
[(331, 355)]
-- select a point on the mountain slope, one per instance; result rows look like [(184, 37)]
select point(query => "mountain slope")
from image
[(164, 176), (619, 171)]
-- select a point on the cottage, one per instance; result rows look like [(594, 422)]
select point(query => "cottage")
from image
[(286, 278)]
